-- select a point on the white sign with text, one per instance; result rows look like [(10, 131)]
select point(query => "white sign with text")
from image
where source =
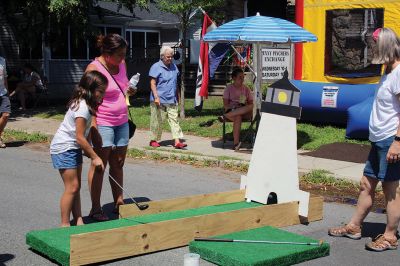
[(329, 96), (274, 62)]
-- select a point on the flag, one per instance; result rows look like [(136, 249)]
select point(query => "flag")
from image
[(203, 69), (244, 57), (216, 54)]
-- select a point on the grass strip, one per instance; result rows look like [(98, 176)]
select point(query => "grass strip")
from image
[(17, 135)]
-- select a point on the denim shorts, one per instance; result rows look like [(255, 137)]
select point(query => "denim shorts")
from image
[(377, 166), (70, 159), (114, 135), (5, 105)]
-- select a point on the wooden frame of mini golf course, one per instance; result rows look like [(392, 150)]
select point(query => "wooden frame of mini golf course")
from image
[(145, 238)]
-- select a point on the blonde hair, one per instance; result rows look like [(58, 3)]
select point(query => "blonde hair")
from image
[(164, 50), (388, 47)]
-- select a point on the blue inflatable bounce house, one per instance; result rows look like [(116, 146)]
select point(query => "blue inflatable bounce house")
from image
[(335, 74)]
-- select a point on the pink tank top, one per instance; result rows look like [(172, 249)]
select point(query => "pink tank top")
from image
[(113, 111)]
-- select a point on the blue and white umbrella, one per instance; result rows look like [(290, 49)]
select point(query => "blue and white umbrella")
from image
[(259, 29)]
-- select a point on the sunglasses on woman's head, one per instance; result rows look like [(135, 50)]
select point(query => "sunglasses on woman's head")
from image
[(375, 35)]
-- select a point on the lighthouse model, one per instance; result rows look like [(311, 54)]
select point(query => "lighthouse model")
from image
[(273, 170)]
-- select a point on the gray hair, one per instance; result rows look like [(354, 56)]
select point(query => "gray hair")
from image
[(164, 50), (388, 47)]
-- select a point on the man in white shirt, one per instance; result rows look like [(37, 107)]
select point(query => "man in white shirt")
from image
[(5, 106)]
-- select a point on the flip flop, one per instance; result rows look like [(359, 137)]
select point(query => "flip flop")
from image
[(99, 216), (116, 209), (221, 118)]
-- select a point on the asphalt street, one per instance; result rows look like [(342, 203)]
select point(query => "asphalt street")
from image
[(30, 190)]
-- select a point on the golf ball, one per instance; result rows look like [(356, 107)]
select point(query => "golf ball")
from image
[(248, 200)]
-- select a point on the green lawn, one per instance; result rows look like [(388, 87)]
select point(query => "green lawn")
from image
[(16, 135), (205, 124)]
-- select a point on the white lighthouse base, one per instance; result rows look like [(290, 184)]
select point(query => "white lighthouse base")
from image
[(273, 166)]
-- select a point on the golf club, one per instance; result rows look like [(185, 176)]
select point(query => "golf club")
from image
[(140, 206), (258, 241)]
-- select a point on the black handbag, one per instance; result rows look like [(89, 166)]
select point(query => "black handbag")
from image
[(132, 126)]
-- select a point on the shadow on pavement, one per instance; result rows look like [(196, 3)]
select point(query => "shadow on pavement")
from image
[(373, 229), (5, 258), (14, 144), (108, 209)]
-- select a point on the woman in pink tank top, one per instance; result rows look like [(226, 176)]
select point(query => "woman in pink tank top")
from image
[(110, 130)]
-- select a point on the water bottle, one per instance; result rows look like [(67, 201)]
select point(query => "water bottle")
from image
[(134, 80), (132, 84)]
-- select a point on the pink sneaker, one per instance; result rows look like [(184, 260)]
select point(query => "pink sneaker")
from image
[(180, 145), (154, 144)]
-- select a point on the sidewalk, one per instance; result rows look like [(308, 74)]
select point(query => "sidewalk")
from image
[(199, 146)]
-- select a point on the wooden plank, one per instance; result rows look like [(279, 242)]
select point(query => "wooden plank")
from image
[(145, 238), (315, 208), (183, 203)]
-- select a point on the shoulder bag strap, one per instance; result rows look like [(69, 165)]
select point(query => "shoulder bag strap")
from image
[(130, 116)]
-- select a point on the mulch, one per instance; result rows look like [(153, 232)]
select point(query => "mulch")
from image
[(349, 152)]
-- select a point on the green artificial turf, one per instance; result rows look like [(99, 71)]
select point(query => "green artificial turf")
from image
[(245, 254), (55, 243)]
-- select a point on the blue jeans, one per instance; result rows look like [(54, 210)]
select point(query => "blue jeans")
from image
[(377, 166)]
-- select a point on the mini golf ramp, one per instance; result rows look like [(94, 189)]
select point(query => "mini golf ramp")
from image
[(250, 254), (97, 242)]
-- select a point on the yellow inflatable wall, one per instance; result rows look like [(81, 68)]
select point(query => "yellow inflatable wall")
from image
[(314, 21)]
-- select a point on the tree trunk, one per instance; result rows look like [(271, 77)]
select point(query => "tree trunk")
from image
[(183, 71)]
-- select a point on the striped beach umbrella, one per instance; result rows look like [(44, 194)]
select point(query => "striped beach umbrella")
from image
[(260, 29)]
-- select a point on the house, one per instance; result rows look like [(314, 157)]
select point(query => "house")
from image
[(68, 54), (144, 30)]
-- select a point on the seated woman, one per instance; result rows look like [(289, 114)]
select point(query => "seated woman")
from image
[(238, 103), (30, 83)]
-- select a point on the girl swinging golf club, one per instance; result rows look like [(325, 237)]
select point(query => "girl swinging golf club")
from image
[(71, 138)]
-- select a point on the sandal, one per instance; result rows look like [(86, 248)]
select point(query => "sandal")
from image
[(2, 144), (381, 243), (236, 146), (350, 231), (99, 216), (116, 209)]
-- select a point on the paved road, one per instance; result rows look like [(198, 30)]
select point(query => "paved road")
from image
[(30, 191)]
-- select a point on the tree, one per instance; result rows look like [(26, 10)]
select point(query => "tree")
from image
[(34, 17), (182, 9)]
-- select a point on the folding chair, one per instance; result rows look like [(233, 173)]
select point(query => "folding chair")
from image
[(42, 93), (224, 130), (255, 121)]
